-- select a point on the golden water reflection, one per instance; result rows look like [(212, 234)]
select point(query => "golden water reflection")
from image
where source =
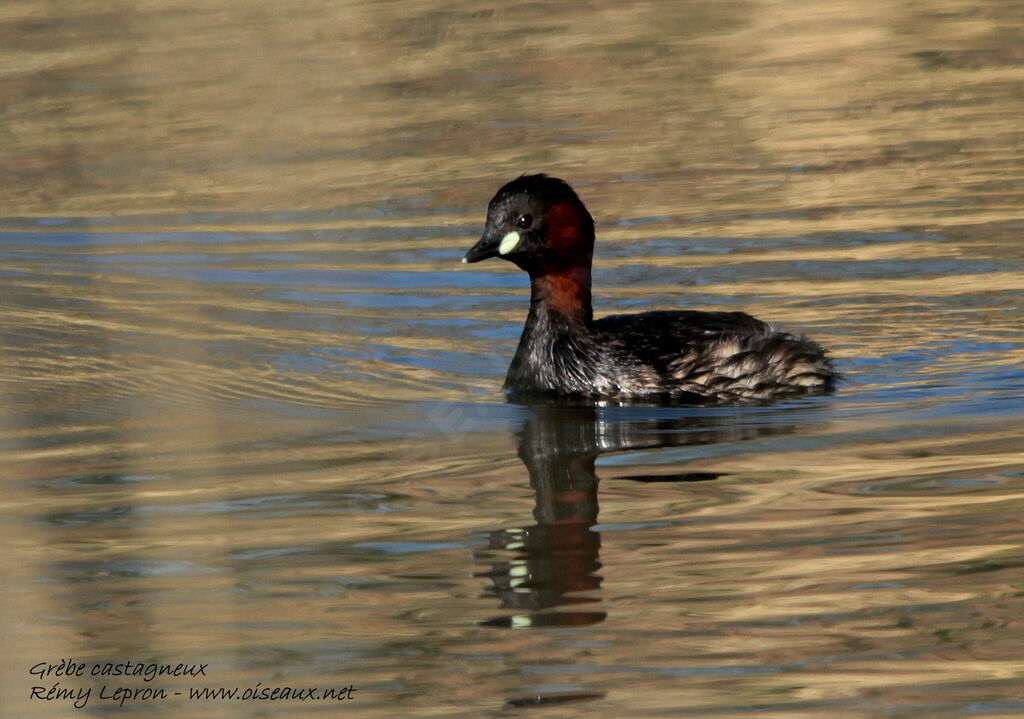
[(249, 408)]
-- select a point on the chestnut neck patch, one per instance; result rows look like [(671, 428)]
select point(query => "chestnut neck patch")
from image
[(565, 291)]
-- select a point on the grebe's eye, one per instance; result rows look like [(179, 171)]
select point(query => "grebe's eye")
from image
[(524, 222)]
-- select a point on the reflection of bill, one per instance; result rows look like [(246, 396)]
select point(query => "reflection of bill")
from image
[(555, 562)]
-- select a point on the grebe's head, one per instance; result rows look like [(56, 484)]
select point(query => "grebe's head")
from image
[(538, 223)]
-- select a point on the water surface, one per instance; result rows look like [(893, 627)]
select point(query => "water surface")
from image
[(250, 404)]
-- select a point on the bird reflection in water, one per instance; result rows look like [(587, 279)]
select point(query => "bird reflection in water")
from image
[(556, 562)]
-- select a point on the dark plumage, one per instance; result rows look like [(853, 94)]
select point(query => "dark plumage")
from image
[(540, 224)]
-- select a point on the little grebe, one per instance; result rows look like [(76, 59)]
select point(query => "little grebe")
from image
[(538, 223)]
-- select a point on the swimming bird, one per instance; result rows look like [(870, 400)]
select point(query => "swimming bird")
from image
[(539, 223)]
